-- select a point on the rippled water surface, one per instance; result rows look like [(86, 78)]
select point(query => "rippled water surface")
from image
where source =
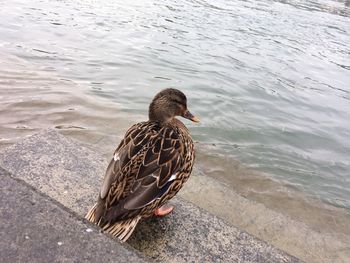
[(269, 79)]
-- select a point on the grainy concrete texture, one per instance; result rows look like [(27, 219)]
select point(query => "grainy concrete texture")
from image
[(191, 234), (299, 239), (71, 174), (35, 228)]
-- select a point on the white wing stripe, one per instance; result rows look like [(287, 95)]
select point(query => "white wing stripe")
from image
[(172, 178)]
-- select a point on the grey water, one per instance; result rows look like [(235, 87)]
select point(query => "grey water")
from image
[(270, 79)]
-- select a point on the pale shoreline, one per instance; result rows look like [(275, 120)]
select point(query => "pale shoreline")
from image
[(300, 239)]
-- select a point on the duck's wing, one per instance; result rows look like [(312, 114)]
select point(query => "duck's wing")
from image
[(134, 140), (121, 156), (152, 170)]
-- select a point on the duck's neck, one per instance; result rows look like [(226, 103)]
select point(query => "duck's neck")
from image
[(159, 114), (179, 124)]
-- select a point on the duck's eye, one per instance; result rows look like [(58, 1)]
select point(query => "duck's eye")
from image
[(179, 102)]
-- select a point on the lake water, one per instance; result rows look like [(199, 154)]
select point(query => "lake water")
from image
[(270, 80)]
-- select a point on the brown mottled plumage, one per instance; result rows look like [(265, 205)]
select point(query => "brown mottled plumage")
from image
[(148, 168)]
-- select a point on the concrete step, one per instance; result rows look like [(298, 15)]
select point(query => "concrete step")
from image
[(71, 173), (34, 228)]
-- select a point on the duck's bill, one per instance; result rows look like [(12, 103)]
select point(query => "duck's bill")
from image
[(190, 116)]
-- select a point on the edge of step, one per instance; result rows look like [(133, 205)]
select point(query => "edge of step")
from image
[(71, 173)]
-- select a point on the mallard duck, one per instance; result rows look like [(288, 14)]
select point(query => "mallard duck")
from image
[(148, 168)]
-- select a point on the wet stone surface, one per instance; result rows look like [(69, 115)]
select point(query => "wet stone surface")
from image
[(190, 234)]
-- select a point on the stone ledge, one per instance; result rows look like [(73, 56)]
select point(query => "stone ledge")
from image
[(71, 174)]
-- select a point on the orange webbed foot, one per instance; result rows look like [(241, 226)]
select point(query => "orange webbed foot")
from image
[(163, 210)]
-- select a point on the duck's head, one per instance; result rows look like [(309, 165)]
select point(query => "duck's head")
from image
[(168, 104)]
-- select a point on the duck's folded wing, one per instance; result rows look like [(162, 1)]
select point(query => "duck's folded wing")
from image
[(122, 156), (156, 172)]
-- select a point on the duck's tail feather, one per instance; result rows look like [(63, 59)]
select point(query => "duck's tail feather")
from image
[(91, 214), (121, 230)]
